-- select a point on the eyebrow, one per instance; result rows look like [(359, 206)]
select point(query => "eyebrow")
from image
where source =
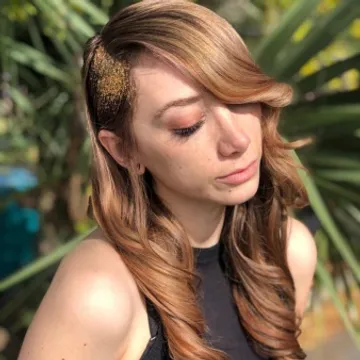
[(178, 102)]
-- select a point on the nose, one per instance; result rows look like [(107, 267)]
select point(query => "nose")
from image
[(233, 140)]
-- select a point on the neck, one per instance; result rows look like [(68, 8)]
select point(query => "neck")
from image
[(203, 221)]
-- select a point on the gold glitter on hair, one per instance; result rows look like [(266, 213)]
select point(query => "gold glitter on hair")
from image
[(111, 74)]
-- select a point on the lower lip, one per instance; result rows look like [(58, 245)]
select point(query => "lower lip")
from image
[(241, 176)]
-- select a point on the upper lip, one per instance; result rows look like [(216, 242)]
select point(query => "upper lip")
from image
[(238, 170)]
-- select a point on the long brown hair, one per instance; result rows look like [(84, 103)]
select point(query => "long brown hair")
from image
[(150, 240)]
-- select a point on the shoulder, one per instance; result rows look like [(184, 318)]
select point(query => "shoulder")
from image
[(88, 308), (301, 248), (302, 258), (96, 273)]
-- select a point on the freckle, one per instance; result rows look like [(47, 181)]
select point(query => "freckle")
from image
[(85, 344), (230, 190)]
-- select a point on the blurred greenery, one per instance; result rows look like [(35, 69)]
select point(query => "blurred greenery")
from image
[(313, 45)]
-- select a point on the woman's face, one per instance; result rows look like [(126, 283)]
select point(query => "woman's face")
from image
[(190, 141)]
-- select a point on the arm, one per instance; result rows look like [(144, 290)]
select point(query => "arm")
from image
[(302, 258), (85, 314)]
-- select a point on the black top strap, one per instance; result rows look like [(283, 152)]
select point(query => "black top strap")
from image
[(156, 348)]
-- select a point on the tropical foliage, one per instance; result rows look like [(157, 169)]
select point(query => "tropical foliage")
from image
[(309, 44)]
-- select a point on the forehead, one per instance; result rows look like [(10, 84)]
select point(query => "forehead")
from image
[(158, 83)]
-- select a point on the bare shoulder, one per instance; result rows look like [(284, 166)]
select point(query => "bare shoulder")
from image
[(301, 248), (302, 258), (88, 309)]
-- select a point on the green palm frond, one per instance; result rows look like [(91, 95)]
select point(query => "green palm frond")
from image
[(47, 61), (332, 119)]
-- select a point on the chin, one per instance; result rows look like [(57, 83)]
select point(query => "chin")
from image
[(241, 193)]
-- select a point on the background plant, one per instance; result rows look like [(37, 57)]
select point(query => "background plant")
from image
[(313, 45)]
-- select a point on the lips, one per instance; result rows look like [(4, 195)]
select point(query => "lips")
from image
[(237, 171)]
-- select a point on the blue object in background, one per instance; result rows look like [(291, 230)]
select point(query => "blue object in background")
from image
[(19, 225), (16, 178)]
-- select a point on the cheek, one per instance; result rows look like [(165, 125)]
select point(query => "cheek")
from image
[(155, 156), (179, 165), (256, 130), (160, 158), (252, 126)]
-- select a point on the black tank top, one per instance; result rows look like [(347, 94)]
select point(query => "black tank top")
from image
[(225, 331)]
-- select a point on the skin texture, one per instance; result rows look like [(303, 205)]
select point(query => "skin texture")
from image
[(188, 167), (93, 309), (302, 258), (88, 310)]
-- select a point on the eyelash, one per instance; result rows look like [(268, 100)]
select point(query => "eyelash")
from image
[(187, 132)]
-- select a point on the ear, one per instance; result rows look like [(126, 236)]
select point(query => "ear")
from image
[(111, 143)]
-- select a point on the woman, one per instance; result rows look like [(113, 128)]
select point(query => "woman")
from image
[(196, 256)]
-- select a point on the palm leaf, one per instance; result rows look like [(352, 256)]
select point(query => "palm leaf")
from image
[(321, 77), (38, 61), (334, 98), (335, 159), (312, 119), (327, 281), (42, 263), (73, 20), (323, 214), (352, 176), (21, 100), (96, 15), (337, 190), (267, 51), (322, 34)]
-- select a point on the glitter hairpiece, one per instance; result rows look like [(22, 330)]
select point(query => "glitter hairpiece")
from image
[(111, 74)]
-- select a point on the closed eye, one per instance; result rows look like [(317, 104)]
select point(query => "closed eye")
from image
[(186, 132)]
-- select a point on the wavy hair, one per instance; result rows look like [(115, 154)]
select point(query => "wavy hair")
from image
[(151, 241)]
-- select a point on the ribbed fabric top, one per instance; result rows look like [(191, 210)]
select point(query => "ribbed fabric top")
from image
[(224, 329), (207, 255)]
